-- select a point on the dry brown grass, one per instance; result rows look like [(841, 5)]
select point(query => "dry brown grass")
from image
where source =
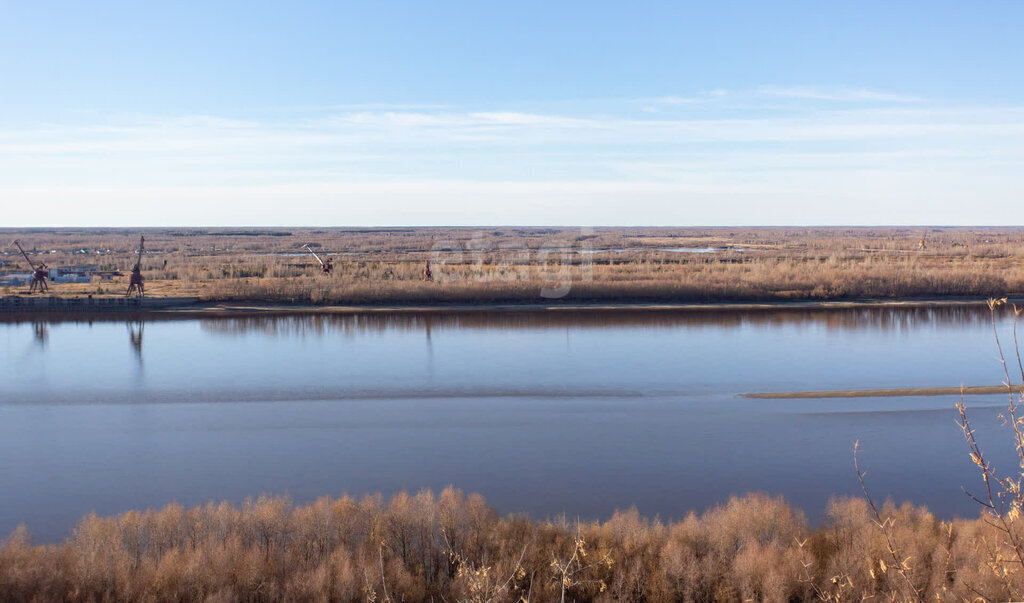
[(515, 264), (454, 547)]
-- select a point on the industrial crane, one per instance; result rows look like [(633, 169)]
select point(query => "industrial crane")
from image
[(325, 266), (135, 282), (39, 273)]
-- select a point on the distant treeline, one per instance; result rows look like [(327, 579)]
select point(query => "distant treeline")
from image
[(230, 233), (453, 547)]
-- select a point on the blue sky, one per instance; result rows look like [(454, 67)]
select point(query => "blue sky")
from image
[(588, 113)]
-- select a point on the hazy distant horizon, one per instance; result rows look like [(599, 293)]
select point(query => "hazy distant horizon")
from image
[(7, 228)]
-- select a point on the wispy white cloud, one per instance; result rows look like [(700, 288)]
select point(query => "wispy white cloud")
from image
[(399, 160), (837, 94), (703, 97), (535, 135)]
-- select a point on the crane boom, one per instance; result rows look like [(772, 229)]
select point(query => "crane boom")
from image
[(25, 255), (136, 283), (39, 272), (309, 249), (142, 248)]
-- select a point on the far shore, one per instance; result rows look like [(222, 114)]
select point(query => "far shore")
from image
[(13, 308)]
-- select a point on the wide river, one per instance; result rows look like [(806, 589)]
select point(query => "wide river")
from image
[(547, 412)]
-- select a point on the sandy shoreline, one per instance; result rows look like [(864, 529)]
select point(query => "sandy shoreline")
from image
[(969, 390)]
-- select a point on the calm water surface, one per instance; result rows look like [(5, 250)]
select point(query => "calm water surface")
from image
[(545, 412)]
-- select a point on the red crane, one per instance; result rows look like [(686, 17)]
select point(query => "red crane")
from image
[(39, 273), (135, 281)]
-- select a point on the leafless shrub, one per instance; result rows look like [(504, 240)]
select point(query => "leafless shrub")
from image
[(455, 547), (1001, 540)]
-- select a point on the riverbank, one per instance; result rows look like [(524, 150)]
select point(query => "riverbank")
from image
[(34, 308)]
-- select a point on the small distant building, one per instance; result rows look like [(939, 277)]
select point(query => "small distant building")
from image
[(106, 275), (86, 270), (63, 275), (60, 274), (15, 279), (81, 273)]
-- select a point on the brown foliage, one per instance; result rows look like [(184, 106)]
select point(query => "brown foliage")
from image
[(513, 265), (453, 547)]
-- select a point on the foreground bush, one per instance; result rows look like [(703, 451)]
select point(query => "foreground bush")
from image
[(454, 547)]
